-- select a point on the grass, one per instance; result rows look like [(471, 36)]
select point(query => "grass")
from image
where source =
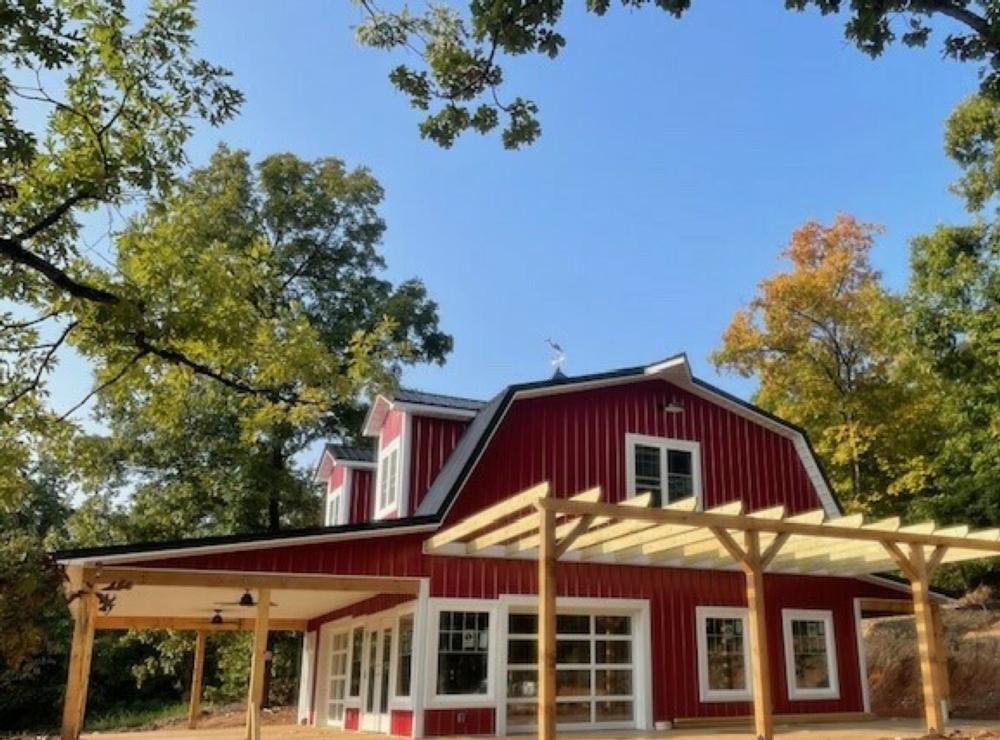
[(134, 716)]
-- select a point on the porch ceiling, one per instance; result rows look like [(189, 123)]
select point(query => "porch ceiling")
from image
[(631, 533)]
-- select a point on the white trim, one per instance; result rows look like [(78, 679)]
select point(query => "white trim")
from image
[(664, 444), (265, 544), (382, 510), (866, 698), (433, 700), (437, 412), (338, 494), (707, 694), (810, 615), (405, 464), (306, 677), (372, 427), (418, 681)]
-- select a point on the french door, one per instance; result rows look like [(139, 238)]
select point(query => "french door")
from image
[(337, 678), (375, 689)]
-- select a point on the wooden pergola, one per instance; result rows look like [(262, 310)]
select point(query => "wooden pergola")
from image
[(87, 582), (581, 528)]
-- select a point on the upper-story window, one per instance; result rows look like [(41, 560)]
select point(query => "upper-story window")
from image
[(668, 469), (389, 475), (334, 505)]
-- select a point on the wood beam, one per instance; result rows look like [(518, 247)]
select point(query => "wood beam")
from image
[(197, 672), (111, 622), (773, 549), (256, 692), (525, 525), (926, 644), (941, 644), (137, 576), (490, 515), (906, 535), (566, 542), (547, 626), (903, 562), (763, 708), (888, 606), (81, 652)]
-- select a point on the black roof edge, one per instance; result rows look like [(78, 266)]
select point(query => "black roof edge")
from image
[(140, 548)]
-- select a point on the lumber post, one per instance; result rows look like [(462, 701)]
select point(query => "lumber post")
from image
[(547, 626), (763, 708), (256, 693), (194, 707), (926, 644), (78, 676), (942, 654)]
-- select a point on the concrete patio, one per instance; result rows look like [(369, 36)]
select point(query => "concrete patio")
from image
[(875, 730)]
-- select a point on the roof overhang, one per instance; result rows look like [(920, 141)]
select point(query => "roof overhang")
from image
[(327, 460)]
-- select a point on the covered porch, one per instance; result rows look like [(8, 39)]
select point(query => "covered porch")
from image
[(134, 597)]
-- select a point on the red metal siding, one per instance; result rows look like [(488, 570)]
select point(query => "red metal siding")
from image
[(392, 427), (336, 479), (352, 718), (432, 441), (373, 605), (439, 722), (362, 489), (401, 723), (576, 440), (673, 595)]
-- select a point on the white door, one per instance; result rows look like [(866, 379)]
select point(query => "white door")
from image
[(375, 692), (337, 679)]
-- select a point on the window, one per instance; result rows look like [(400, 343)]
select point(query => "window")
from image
[(463, 653), (809, 650), (338, 680), (388, 478), (723, 654), (357, 655), (405, 659), (594, 674), (668, 469), (333, 506)]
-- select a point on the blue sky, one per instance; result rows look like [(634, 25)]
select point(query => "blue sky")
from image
[(676, 159)]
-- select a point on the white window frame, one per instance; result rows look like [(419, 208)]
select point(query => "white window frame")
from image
[(664, 444), (336, 494), (435, 700), (707, 694), (389, 505), (810, 615)]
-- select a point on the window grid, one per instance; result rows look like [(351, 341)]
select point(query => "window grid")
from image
[(338, 677), (463, 652), (665, 468)]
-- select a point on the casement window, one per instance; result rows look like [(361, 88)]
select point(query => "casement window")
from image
[(333, 505), (357, 656), (595, 679), (389, 475), (338, 678), (810, 650), (463, 653), (723, 653), (668, 469), (404, 659)]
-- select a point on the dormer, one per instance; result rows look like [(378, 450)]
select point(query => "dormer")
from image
[(347, 474), (416, 432)]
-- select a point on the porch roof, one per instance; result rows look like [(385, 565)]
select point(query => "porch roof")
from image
[(677, 535)]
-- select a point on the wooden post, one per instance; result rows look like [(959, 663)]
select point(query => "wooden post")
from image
[(547, 626), (942, 653), (194, 708), (84, 611), (256, 694), (753, 569), (926, 644)]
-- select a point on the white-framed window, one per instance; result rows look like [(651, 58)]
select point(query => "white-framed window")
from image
[(357, 658), (595, 670), (389, 478), (404, 656), (668, 469), (462, 655), (334, 502), (723, 653), (810, 654), (337, 690)]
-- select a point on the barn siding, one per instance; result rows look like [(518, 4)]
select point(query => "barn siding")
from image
[(401, 723), (576, 440), (392, 427), (432, 441), (362, 494), (478, 721), (336, 479)]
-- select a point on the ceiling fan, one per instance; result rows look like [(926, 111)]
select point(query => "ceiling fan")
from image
[(245, 600)]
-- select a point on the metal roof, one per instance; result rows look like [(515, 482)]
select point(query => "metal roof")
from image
[(351, 453), (423, 398)]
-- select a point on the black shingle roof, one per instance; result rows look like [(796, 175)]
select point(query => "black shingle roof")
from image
[(349, 453), (411, 395)]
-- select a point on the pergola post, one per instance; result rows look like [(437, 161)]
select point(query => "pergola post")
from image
[(256, 693), (84, 615), (926, 641), (763, 718), (941, 644), (194, 708), (547, 626)]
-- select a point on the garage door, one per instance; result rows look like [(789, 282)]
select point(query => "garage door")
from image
[(595, 679)]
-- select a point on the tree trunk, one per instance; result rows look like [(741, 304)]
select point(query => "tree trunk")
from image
[(276, 463)]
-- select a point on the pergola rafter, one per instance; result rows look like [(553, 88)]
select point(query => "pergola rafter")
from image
[(581, 528)]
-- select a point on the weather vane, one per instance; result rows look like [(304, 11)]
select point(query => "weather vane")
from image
[(558, 356)]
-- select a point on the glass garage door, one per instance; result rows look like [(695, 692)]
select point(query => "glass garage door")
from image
[(595, 681)]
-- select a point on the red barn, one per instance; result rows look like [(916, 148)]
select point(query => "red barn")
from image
[(410, 643)]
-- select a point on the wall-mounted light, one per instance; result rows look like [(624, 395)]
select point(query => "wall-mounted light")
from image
[(674, 406)]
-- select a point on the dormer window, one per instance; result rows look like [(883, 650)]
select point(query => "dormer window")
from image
[(389, 475), (333, 506), (668, 469)]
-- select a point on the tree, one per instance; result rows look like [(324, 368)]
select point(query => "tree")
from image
[(822, 340), (460, 73)]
